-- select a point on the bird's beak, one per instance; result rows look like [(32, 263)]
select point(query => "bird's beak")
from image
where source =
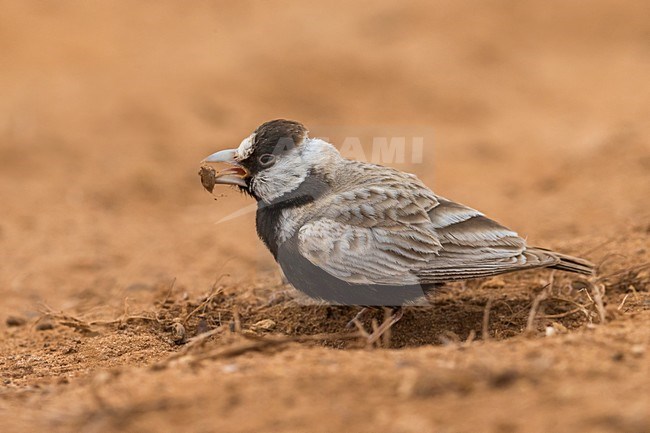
[(236, 175)]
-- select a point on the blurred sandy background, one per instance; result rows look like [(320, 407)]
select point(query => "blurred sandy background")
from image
[(539, 110)]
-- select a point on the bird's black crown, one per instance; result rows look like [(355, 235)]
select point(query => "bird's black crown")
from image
[(278, 136)]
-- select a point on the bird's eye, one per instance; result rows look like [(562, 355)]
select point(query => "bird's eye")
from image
[(267, 160)]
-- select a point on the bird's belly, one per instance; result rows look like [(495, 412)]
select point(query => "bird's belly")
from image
[(318, 284)]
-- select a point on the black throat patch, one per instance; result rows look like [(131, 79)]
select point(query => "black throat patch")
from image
[(269, 214)]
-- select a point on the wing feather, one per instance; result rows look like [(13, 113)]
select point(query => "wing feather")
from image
[(377, 233), (475, 246), (390, 229)]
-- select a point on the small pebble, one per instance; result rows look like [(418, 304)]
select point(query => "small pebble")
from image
[(230, 368), (15, 321), (178, 332), (505, 378), (560, 328), (638, 350), (44, 326), (263, 325)]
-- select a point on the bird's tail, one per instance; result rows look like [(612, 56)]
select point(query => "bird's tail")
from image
[(568, 263)]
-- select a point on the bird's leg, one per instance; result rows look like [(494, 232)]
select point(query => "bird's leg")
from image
[(356, 319), (396, 315)]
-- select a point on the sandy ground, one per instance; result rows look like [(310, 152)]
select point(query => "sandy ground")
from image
[(112, 259)]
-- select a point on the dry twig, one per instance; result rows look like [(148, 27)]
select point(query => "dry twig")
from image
[(258, 344), (214, 292), (485, 332), (530, 324)]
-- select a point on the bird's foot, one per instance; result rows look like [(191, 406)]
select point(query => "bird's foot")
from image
[(356, 320)]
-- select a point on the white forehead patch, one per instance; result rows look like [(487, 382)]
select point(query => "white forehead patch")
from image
[(245, 149)]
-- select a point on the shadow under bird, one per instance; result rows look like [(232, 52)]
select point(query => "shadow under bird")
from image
[(354, 233)]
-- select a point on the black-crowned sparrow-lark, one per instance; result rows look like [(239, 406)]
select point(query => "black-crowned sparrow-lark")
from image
[(353, 233)]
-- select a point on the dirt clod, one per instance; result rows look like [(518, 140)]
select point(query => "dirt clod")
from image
[(505, 378), (208, 177)]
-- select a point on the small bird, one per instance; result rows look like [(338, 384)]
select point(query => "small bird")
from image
[(354, 233)]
